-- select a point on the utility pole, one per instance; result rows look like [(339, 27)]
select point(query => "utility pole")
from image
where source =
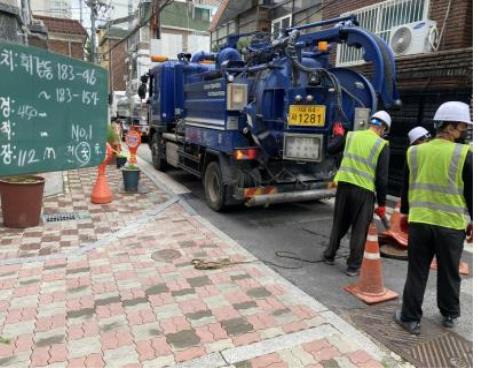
[(81, 11), (93, 12)]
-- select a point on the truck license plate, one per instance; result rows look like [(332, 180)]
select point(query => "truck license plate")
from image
[(307, 115)]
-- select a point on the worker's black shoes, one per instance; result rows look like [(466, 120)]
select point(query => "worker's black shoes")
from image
[(329, 261), (412, 327), (352, 272), (448, 322)]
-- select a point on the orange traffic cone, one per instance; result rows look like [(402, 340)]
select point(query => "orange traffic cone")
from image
[(101, 193), (463, 269), (395, 232), (370, 288)]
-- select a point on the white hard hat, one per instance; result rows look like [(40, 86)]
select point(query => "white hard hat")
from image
[(417, 133), (384, 117), (455, 111)]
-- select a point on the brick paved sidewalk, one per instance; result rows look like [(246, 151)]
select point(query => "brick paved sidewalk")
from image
[(133, 299), (96, 221)]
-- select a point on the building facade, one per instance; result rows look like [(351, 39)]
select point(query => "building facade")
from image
[(52, 8), (183, 28), (270, 16), (112, 55), (427, 76), (65, 36)]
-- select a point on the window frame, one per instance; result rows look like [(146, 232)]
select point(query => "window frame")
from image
[(279, 21), (375, 24)]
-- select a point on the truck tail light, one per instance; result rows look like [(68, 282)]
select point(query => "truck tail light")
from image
[(245, 154)]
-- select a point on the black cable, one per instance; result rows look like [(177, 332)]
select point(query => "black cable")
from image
[(294, 256)]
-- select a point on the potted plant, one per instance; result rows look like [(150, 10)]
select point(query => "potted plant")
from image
[(22, 198), (113, 138), (131, 177), (120, 160)]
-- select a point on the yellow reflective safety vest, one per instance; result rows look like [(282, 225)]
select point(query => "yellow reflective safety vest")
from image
[(436, 183), (359, 162)]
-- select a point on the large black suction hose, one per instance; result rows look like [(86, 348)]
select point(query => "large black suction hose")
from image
[(291, 54)]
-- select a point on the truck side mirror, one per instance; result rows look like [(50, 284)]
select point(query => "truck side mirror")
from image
[(142, 91)]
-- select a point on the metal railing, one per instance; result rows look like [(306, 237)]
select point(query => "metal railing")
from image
[(380, 18)]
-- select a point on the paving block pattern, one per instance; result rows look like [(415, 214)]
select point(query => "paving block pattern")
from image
[(137, 301), (96, 221)]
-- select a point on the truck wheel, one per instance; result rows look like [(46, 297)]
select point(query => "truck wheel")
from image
[(159, 162), (214, 186)]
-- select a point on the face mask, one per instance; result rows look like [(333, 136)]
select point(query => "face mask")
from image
[(461, 139)]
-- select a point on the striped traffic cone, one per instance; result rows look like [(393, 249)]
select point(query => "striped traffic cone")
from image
[(101, 193), (395, 232), (370, 288)]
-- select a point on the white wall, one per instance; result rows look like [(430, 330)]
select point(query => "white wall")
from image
[(52, 8), (198, 43)]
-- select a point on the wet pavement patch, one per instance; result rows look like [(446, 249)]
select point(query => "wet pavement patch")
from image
[(111, 326), (199, 315), (166, 255), (183, 292), (245, 305), (236, 326), (329, 364), (57, 339), (187, 244), (157, 289), (243, 364), (199, 281), (183, 339), (183, 264), (28, 282), (77, 270), (259, 292), (240, 277), (77, 289), (434, 347), (280, 312), (5, 362), (154, 332), (86, 312), (106, 301), (133, 302), (200, 254)]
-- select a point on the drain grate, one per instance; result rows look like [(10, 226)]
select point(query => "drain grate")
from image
[(435, 347), (65, 216)]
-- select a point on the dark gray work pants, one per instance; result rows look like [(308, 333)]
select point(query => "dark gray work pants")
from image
[(424, 242), (353, 208)]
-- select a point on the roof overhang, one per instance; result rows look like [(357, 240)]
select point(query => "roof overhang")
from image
[(228, 10)]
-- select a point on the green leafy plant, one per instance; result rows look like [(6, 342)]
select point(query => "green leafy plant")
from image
[(131, 167), (112, 137)]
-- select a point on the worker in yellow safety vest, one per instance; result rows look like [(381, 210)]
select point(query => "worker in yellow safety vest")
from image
[(363, 174), (418, 135), (437, 193)]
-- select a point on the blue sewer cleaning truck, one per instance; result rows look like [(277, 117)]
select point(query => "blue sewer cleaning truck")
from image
[(253, 124)]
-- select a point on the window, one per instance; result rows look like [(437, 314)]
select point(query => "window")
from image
[(380, 19), (279, 24), (201, 14)]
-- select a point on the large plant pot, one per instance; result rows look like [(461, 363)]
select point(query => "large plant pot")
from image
[(22, 198), (120, 161), (130, 179)]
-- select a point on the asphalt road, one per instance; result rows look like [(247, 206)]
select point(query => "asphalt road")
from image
[(304, 228)]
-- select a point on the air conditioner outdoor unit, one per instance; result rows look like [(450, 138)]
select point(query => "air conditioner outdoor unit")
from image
[(414, 38)]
